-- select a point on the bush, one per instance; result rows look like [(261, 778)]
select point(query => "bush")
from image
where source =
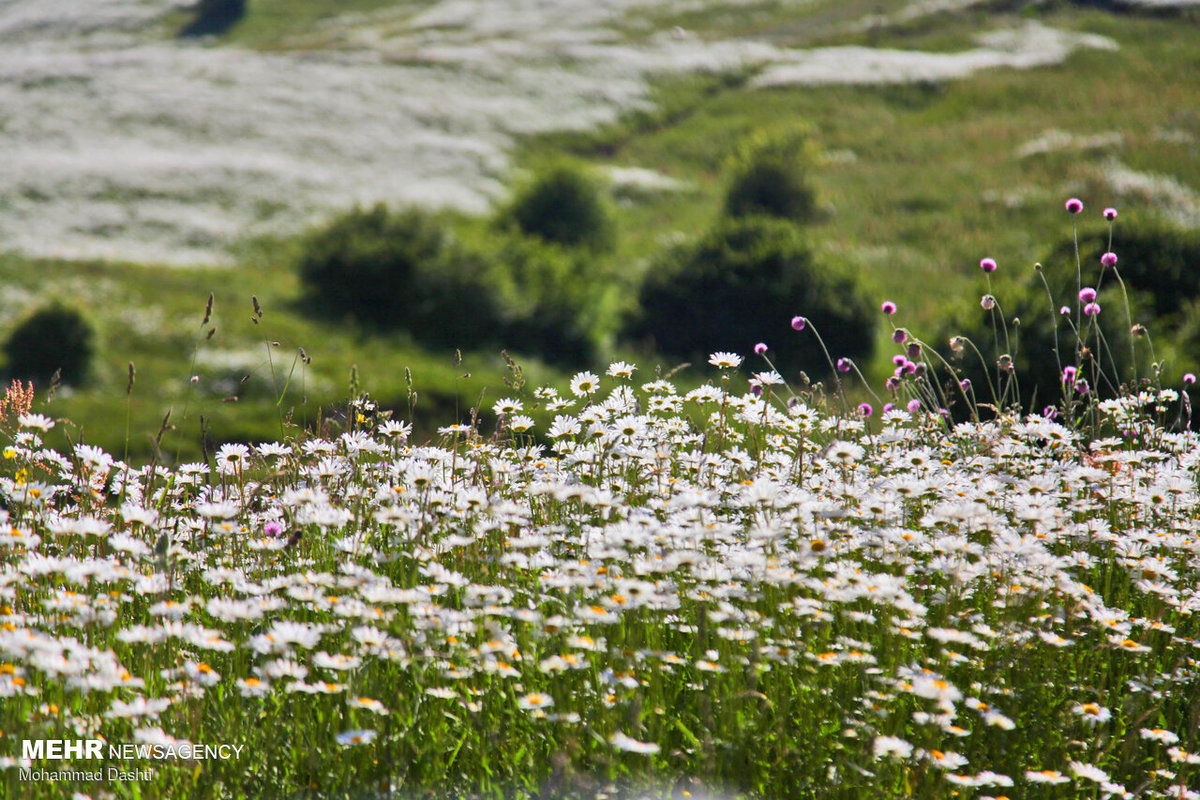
[(364, 264), (405, 271), (553, 301), (742, 283), (53, 338), (398, 271), (214, 17), (562, 206), (769, 176)]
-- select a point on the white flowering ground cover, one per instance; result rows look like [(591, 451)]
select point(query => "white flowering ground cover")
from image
[(732, 588), (123, 143)]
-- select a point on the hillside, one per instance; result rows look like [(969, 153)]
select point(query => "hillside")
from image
[(946, 131)]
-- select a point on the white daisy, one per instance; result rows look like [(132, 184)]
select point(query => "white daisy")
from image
[(725, 360), (585, 383)]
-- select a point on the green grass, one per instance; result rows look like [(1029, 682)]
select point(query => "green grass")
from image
[(781, 22), (287, 24), (152, 317)]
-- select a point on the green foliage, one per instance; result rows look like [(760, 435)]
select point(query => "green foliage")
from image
[(398, 270), (562, 205), (553, 301), (405, 271), (214, 17), (364, 263), (53, 338), (769, 175), (741, 283)]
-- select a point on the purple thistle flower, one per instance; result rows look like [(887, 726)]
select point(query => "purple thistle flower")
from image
[(1074, 205), (1109, 259), (899, 336), (1087, 294), (1050, 412), (759, 349), (1065, 310), (1110, 214), (1091, 309), (865, 410), (965, 384), (913, 406), (843, 365), (892, 383), (914, 351), (273, 528), (1068, 374), (888, 307), (1189, 379), (756, 390), (889, 407), (909, 368), (988, 265), (798, 323), (987, 302), (899, 360), (1081, 386)]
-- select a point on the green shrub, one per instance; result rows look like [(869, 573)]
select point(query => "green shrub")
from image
[(556, 302), (53, 338), (562, 206), (214, 17), (769, 176), (364, 264), (399, 271), (742, 283), (404, 271)]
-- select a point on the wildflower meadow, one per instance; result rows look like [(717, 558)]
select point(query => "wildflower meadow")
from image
[(753, 588)]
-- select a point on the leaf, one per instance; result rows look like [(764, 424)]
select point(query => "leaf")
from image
[(687, 734)]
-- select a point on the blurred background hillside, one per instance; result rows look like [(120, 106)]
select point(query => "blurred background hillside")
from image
[(407, 187)]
